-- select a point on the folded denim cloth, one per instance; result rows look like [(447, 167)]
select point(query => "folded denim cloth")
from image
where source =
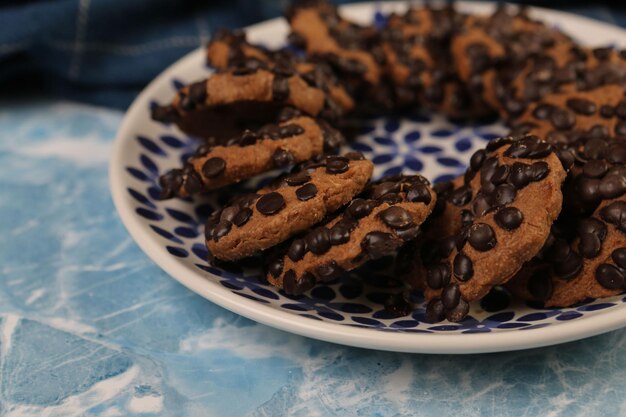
[(105, 51)]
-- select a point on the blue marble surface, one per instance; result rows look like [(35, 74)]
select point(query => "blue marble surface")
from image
[(89, 326)]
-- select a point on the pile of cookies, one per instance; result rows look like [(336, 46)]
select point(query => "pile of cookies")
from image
[(541, 212)]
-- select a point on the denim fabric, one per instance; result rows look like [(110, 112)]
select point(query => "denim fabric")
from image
[(105, 51)]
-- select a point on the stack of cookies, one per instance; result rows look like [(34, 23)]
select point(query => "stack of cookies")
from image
[(541, 212)]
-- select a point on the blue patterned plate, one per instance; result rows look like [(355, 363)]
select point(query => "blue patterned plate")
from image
[(350, 311)]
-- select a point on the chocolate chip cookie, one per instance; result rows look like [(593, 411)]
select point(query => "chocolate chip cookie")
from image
[(291, 205), (295, 138), (489, 49), (350, 49), (389, 214), (566, 68), (226, 103), (231, 50), (510, 196)]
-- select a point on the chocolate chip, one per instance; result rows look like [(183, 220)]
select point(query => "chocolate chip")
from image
[(620, 128), (378, 244), (562, 119), (193, 183), (610, 277), (482, 237), (354, 156), (459, 312), (396, 218), (568, 263), (518, 175), (418, 193), (582, 106), (359, 208), (509, 218), (620, 109), (288, 113), (298, 178), (619, 257), (504, 194), (296, 250), (602, 53), (280, 88), (247, 138), (612, 186), (229, 213), (462, 267), (333, 139), (328, 272), (290, 130), (318, 240), (606, 111), (593, 226), (170, 183), (270, 203), (589, 245), (385, 187), (595, 168), (197, 92), (213, 167), (450, 296), (500, 175), (438, 275), (497, 144), (435, 312), (276, 266), (294, 286), (528, 147), (242, 217), (165, 114), (539, 170), (461, 196), (339, 234), (282, 158), (477, 159), (306, 192), (480, 206), (221, 229), (615, 213), (598, 132), (336, 164)]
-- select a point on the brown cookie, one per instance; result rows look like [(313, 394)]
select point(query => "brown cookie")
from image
[(226, 103), (564, 67), (389, 214), (569, 117), (487, 50), (510, 197), (418, 61), (294, 139), (349, 48), (293, 204), (589, 264), (577, 261), (230, 50)]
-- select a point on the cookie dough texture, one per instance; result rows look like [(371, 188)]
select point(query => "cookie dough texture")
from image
[(255, 222)]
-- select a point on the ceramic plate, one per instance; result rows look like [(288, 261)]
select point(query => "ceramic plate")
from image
[(350, 311)]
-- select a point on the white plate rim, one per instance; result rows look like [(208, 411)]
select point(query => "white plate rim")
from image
[(590, 325)]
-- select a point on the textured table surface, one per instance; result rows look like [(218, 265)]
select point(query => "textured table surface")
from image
[(89, 326)]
